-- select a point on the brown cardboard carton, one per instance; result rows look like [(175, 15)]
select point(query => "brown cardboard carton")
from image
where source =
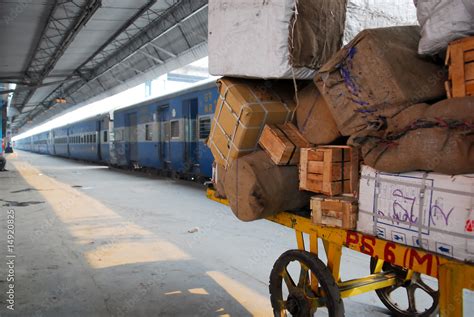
[(243, 108)]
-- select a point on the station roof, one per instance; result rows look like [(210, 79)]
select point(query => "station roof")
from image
[(83, 50)]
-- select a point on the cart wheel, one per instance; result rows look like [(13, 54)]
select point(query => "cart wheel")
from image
[(410, 286), (299, 299)]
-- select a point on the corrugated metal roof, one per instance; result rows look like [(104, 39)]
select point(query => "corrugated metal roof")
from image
[(89, 49)]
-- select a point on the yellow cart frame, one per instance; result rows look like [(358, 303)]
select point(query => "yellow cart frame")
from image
[(453, 276)]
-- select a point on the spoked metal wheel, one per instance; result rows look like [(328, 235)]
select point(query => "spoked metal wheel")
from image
[(401, 299), (314, 288)]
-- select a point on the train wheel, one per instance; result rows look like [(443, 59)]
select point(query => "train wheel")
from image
[(304, 297), (400, 299)]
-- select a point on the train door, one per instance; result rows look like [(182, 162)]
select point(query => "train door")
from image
[(190, 109), (98, 143), (68, 141), (133, 137), (164, 136), (52, 146)]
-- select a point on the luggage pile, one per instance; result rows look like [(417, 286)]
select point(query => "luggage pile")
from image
[(367, 135)]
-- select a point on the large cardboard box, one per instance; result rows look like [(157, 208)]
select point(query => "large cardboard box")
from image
[(376, 76), (288, 38), (242, 110), (426, 210)]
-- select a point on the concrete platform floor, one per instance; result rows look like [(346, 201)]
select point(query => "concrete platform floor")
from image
[(94, 241)]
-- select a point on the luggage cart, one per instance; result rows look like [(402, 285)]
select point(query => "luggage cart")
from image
[(393, 266)]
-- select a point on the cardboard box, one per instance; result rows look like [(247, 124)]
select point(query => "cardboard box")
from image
[(360, 93), (291, 39), (339, 212), (426, 210), (283, 143), (329, 170), (243, 108)]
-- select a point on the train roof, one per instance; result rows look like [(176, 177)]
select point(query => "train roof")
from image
[(196, 87)]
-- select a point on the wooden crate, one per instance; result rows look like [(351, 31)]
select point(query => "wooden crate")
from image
[(340, 211), (283, 143), (329, 170), (460, 60)]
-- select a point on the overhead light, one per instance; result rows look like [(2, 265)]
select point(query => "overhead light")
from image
[(60, 100)]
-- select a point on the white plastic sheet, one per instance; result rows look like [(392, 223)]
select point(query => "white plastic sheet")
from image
[(443, 21)]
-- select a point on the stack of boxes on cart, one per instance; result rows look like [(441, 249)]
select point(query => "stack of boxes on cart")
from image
[(346, 109)]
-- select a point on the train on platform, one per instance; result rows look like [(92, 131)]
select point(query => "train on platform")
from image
[(167, 134)]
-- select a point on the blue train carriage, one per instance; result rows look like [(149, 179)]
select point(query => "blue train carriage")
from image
[(164, 133), (40, 142), (61, 142), (190, 116), (24, 144), (206, 109), (83, 140), (135, 136)]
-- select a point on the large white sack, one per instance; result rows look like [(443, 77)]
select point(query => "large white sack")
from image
[(443, 21), (252, 38), (369, 14)]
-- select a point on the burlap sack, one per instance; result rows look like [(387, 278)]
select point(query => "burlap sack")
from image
[(377, 75), (438, 138), (257, 188), (313, 117), (218, 181)]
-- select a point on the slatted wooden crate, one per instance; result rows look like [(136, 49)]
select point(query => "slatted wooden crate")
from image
[(283, 143), (340, 211), (460, 60), (329, 170)]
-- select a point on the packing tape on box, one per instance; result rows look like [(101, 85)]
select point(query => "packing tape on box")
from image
[(231, 138)]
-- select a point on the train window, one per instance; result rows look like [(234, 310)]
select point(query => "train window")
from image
[(94, 138), (105, 136), (148, 132), (204, 127), (82, 139), (174, 129)]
